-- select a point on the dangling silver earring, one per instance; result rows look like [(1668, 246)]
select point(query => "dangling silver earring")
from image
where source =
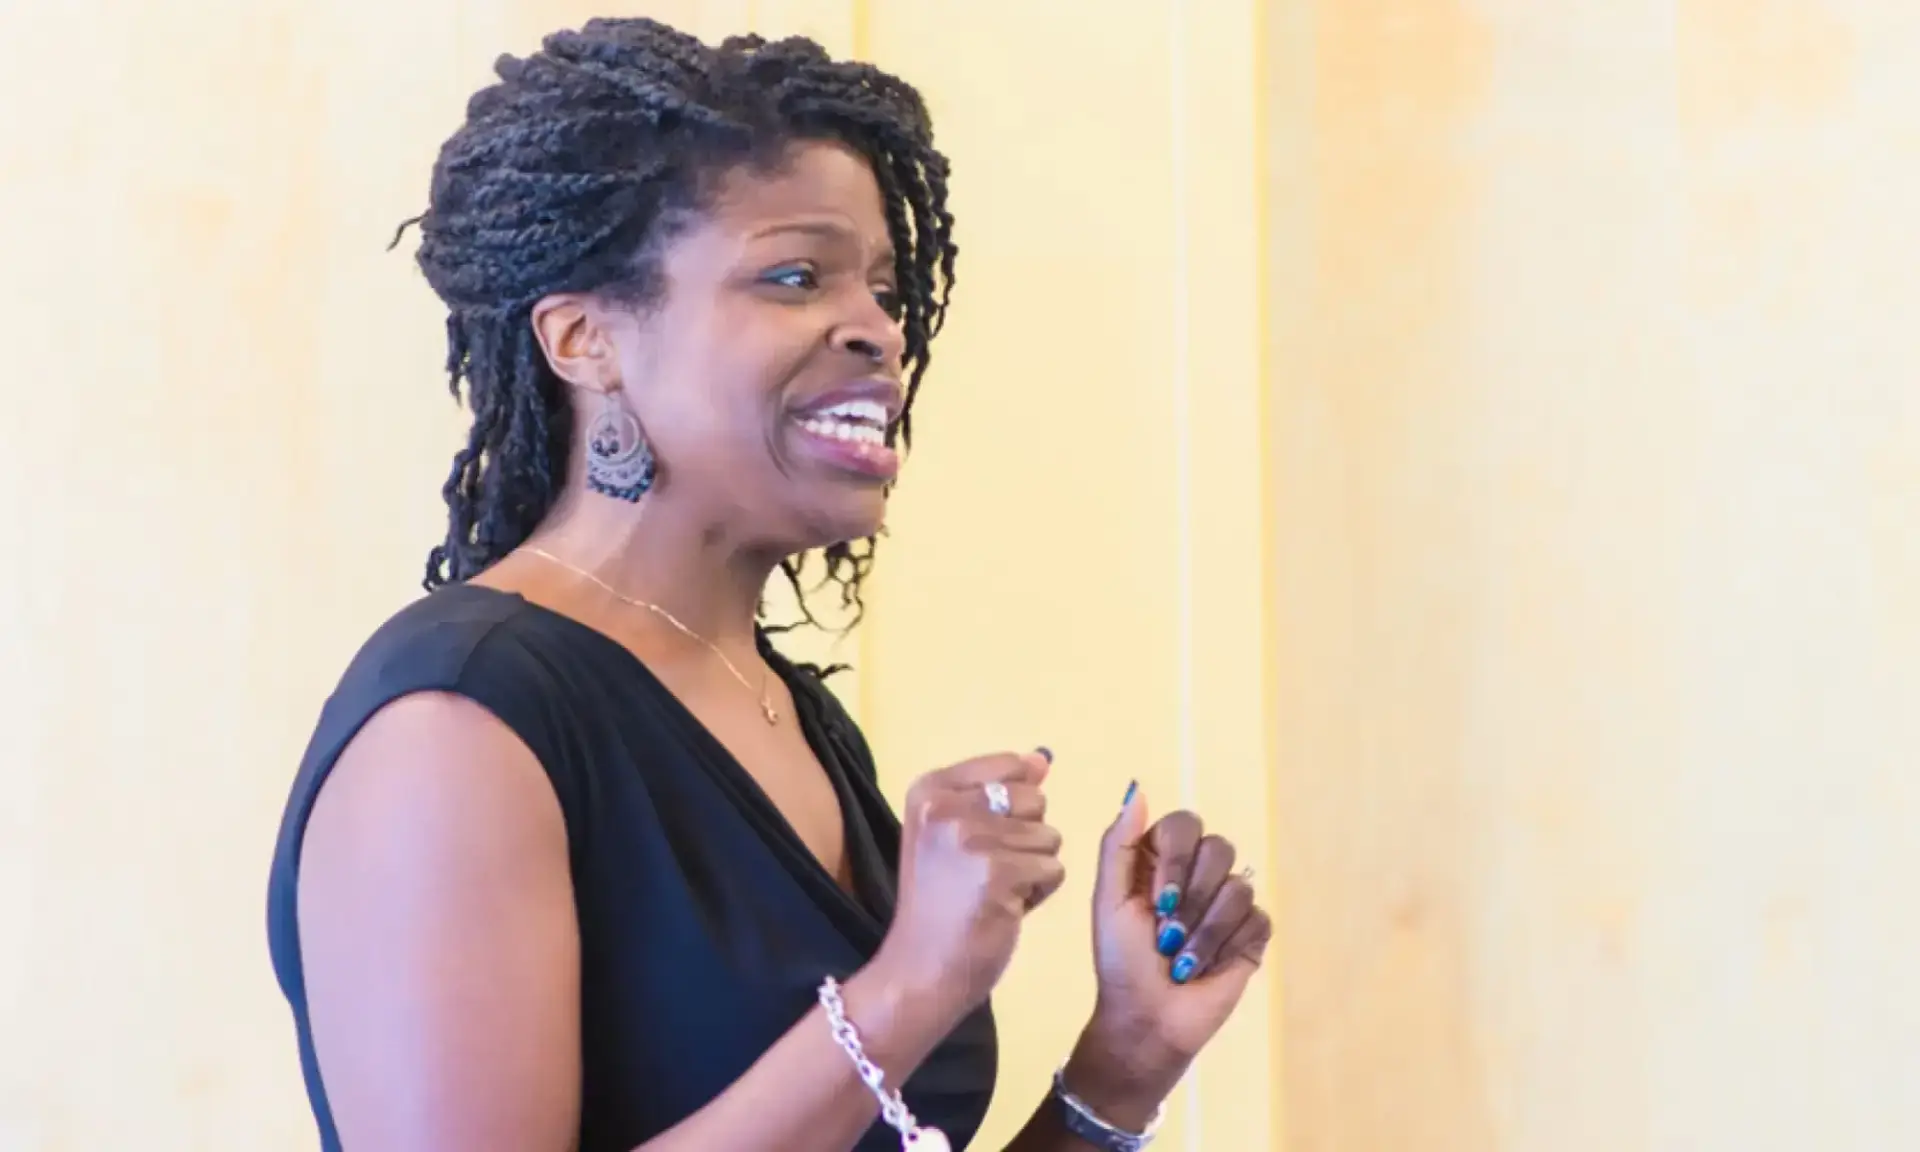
[(619, 462)]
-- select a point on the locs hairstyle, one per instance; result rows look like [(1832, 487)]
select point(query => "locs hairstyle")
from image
[(572, 172)]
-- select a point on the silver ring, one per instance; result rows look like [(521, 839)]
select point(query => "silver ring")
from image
[(999, 802)]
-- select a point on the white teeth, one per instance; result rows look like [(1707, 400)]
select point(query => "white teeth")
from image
[(852, 421), (866, 411), (845, 430)]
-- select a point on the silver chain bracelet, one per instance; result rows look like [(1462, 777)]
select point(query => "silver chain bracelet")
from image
[(893, 1107)]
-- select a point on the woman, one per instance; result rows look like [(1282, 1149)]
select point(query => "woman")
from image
[(575, 859)]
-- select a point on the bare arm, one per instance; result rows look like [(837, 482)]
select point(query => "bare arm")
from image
[(442, 963)]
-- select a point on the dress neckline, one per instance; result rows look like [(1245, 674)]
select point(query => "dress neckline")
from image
[(863, 916)]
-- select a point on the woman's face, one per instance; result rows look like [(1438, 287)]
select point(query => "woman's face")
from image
[(766, 375)]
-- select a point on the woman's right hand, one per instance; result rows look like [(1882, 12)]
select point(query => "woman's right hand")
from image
[(968, 877)]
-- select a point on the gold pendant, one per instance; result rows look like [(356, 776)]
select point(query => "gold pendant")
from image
[(766, 709)]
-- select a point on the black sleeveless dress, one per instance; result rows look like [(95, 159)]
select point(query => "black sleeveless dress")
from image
[(705, 924)]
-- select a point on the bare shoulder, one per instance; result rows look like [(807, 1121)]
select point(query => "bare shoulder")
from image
[(430, 758), (438, 938)]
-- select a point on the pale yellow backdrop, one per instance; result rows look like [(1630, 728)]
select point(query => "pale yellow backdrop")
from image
[(1470, 451)]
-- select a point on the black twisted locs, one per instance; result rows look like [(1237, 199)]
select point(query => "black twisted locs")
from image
[(571, 172)]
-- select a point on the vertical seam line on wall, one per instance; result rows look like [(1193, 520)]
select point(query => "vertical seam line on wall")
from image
[(1183, 454), (1263, 173), (1182, 410), (858, 16)]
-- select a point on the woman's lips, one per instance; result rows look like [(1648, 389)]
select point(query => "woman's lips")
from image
[(851, 441)]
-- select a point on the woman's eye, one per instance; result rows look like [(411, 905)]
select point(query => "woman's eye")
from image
[(889, 301), (796, 276)]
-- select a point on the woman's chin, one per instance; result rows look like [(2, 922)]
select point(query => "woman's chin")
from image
[(848, 517)]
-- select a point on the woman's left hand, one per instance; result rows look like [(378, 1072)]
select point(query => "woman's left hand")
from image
[(1177, 935)]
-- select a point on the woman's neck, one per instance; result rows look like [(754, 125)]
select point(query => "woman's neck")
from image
[(684, 565)]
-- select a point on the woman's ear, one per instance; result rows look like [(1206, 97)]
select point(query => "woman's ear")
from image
[(574, 338)]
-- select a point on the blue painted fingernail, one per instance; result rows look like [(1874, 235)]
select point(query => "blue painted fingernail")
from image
[(1183, 968), (1172, 935), (1132, 787), (1046, 753), (1169, 900)]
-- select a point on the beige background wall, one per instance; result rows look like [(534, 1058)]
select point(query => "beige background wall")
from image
[(1471, 451), (1596, 499)]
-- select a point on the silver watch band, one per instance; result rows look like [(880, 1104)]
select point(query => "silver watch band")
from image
[(1083, 1122)]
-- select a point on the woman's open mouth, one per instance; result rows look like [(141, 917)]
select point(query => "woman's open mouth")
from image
[(852, 435)]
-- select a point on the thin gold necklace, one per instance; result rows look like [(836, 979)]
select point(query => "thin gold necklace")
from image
[(766, 700)]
